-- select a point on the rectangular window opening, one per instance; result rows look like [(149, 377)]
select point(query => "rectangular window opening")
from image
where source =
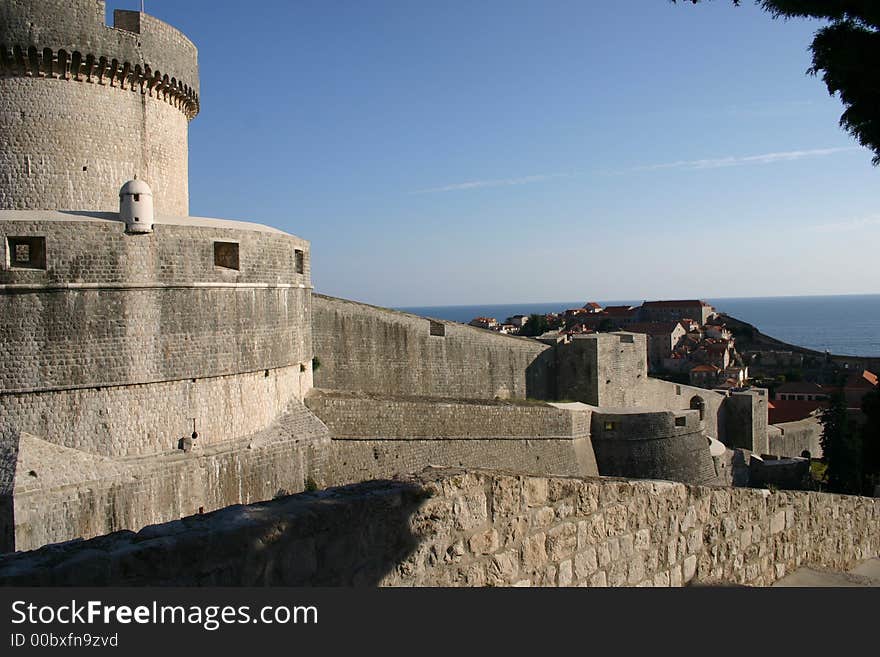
[(627, 339), (299, 259), (226, 255), (26, 252), (438, 329), (681, 421), (610, 426)]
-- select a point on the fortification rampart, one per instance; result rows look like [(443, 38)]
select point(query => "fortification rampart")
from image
[(479, 528), (375, 350), (391, 354), (602, 370), (56, 494), (793, 438), (652, 445), (86, 107), (379, 437)]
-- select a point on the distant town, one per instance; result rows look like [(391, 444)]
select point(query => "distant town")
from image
[(690, 342)]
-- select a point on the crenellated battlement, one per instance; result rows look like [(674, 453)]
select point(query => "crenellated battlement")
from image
[(69, 40), (74, 66), (132, 88)]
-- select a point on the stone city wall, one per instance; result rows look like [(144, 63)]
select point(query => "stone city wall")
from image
[(376, 437), (656, 393), (792, 438), (746, 422), (122, 340), (375, 350), (359, 415), (480, 528), (602, 370)]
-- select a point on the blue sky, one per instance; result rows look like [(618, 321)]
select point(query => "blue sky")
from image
[(509, 151)]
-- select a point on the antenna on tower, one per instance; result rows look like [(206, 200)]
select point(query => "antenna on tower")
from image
[(142, 6)]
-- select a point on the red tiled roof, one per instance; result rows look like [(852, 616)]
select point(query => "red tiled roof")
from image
[(705, 368), (801, 388), (653, 328), (785, 410), (591, 304), (686, 303), (865, 379)]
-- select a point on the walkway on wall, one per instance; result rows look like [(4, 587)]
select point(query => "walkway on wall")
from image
[(866, 573)]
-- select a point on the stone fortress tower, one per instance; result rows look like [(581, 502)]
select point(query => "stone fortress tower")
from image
[(87, 106), (124, 329)]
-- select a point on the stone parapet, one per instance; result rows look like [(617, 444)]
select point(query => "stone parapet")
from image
[(480, 528)]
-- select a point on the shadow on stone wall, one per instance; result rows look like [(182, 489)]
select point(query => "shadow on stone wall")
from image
[(541, 376), (348, 536), (9, 446)]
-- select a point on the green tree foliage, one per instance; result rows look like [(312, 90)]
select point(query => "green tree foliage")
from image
[(536, 325), (845, 53), (605, 326), (871, 440), (841, 447)]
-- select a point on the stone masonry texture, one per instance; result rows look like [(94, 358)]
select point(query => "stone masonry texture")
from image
[(122, 341), (62, 493), (480, 528), (85, 107), (376, 350), (380, 437)]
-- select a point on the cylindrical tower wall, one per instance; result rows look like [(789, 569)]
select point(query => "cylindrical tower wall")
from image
[(70, 146), (114, 343), (85, 107), (652, 445)]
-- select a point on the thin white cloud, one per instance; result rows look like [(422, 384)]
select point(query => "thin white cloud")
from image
[(734, 161), (501, 182), (769, 108), (710, 163), (840, 226)]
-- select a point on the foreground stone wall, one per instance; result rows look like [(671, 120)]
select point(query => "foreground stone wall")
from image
[(478, 528), (375, 350)]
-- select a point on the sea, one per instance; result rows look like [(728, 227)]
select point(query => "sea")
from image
[(846, 325)]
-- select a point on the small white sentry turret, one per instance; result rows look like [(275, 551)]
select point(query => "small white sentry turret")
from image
[(136, 206)]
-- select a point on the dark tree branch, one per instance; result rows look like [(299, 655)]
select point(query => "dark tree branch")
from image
[(845, 53)]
